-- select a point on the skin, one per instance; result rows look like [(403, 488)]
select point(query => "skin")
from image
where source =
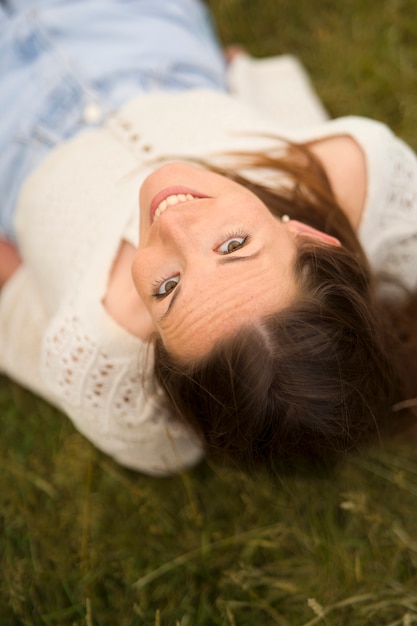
[(9, 261), (211, 263)]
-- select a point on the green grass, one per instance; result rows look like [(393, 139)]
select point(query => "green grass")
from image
[(86, 543)]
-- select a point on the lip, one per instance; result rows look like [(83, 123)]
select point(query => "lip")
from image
[(171, 191)]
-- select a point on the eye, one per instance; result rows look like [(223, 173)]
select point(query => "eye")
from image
[(232, 244), (164, 287)]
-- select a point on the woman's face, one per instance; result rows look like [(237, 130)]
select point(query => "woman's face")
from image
[(211, 257)]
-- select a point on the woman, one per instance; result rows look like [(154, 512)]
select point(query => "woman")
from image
[(269, 338), (298, 355)]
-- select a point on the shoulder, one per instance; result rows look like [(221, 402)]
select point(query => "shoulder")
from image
[(357, 154), (374, 175), (344, 162)]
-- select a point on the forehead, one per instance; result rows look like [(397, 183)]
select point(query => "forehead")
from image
[(212, 305)]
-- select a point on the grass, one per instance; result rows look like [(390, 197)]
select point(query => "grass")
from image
[(85, 542)]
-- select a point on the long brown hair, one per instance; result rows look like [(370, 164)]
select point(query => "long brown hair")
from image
[(310, 383)]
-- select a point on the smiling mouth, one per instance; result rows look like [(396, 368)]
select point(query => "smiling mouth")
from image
[(173, 200), (172, 196)]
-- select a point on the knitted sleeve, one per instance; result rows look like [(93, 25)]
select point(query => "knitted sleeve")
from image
[(102, 394), (389, 226)]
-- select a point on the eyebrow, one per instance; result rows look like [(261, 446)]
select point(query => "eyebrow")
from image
[(221, 261)]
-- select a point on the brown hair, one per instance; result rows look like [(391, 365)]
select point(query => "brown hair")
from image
[(310, 383)]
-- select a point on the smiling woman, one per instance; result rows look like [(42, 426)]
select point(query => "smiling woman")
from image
[(222, 247), (264, 283), (270, 372)]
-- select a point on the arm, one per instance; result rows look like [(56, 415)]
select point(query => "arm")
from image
[(142, 438), (21, 307), (9, 261), (278, 86)]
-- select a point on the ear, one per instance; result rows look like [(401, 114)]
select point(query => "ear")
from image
[(297, 228)]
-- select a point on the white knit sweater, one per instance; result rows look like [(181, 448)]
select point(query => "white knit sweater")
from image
[(56, 337)]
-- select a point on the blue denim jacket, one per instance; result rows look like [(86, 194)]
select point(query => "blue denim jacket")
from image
[(66, 64)]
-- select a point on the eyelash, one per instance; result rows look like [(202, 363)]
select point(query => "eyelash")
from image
[(235, 235), (157, 284)]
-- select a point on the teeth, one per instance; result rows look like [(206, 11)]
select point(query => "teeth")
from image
[(172, 201)]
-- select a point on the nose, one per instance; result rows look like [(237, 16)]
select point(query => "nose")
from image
[(181, 226)]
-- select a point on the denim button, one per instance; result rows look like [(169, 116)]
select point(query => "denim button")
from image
[(92, 113)]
